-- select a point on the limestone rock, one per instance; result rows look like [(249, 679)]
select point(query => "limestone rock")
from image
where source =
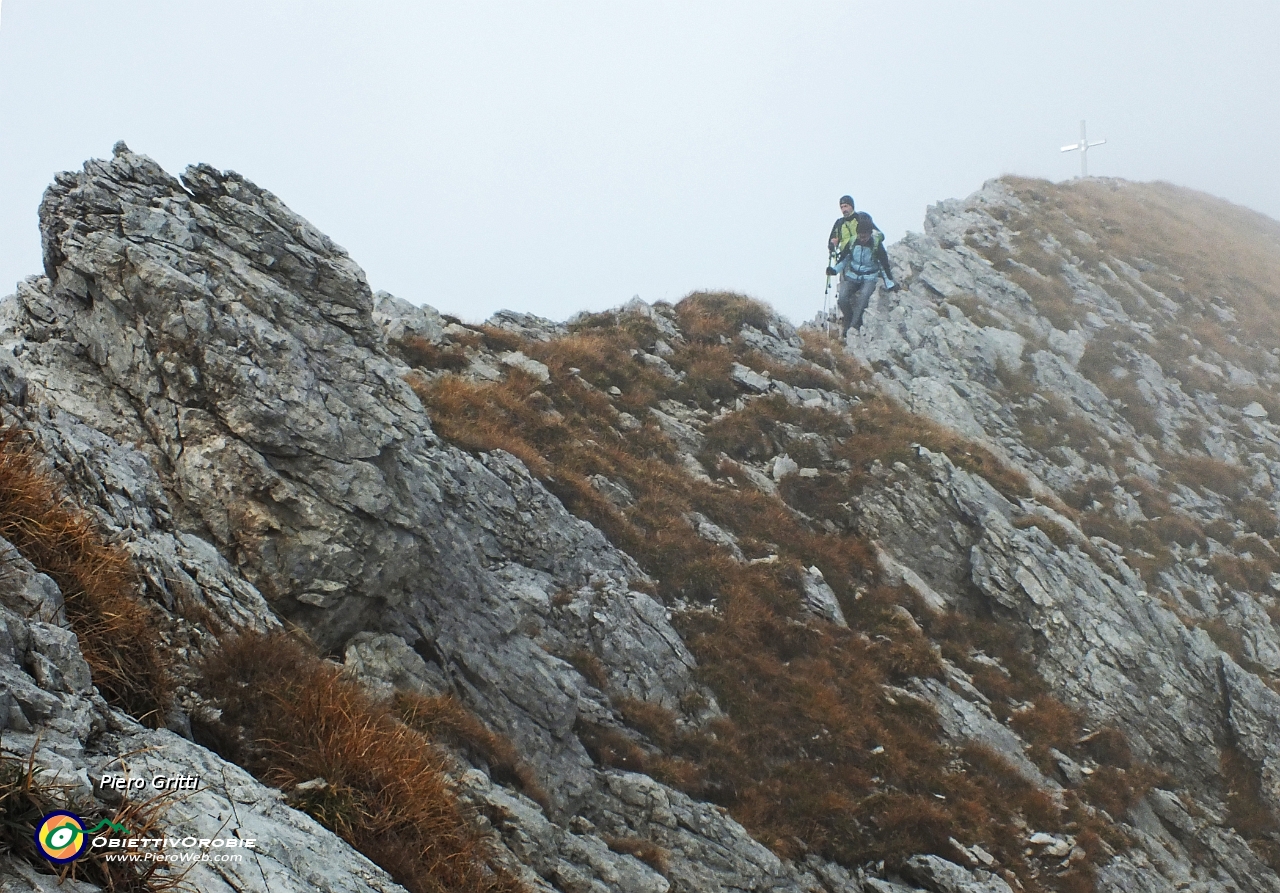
[(820, 599), (750, 379), (940, 876)]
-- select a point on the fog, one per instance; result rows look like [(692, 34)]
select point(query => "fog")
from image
[(555, 157)]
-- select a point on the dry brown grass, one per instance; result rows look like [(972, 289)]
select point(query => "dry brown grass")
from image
[(590, 667), (117, 630), (1100, 360), (444, 720), (1219, 252), (1118, 781), (289, 718), (646, 851), (1219, 248), (421, 353), (710, 316), (1206, 252), (1057, 534), (1256, 515), (797, 756), (876, 428), (829, 353), (974, 309), (1205, 473)]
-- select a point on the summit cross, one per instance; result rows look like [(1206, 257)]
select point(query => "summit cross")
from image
[(1084, 146)]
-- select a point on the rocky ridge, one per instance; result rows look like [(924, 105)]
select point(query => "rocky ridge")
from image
[(216, 383)]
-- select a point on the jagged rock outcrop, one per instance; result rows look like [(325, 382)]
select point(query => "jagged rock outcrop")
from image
[(235, 344)]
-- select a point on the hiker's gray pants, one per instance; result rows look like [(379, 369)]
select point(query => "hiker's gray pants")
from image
[(852, 297)]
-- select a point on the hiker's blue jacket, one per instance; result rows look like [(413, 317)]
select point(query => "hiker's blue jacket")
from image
[(862, 262), (845, 233)]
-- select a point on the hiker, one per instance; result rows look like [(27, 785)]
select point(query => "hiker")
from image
[(861, 263)]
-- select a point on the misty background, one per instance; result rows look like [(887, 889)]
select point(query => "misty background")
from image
[(553, 157)]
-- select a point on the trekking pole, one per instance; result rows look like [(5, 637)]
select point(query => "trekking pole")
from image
[(826, 296)]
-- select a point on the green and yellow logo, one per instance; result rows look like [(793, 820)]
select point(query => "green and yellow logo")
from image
[(62, 836)]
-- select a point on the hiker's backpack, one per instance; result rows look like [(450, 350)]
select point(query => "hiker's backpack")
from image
[(849, 233)]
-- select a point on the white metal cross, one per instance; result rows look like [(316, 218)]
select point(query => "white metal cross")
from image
[(1084, 146)]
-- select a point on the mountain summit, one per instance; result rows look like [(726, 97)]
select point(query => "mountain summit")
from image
[(667, 598)]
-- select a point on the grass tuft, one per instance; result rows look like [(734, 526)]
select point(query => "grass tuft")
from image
[(709, 316), (420, 353), (1247, 811), (116, 628), (289, 717), (646, 851)]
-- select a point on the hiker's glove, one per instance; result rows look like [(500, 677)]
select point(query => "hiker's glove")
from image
[(831, 271)]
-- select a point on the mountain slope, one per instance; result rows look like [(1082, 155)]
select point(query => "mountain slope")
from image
[(978, 601)]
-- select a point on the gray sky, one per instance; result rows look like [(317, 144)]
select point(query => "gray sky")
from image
[(551, 157)]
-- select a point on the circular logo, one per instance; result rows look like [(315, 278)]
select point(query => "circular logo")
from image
[(60, 837)]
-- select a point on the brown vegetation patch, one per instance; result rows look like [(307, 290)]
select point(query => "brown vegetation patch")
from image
[(764, 428), (499, 339), (444, 720), (812, 754), (1106, 364), (646, 851), (591, 667), (975, 310), (711, 316), (830, 354), (116, 628), (1059, 535), (420, 353), (1257, 515), (801, 375), (1241, 574), (289, 718), (1181, 242), (1194, 234), (1039, 273), (1205, 473)]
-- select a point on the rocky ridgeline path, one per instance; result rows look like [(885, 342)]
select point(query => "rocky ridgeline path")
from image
[(215, 382)]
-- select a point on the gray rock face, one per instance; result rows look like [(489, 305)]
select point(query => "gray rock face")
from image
[(399, 319), (942, 876), (820, 599), (968, 346), (1253, 713)]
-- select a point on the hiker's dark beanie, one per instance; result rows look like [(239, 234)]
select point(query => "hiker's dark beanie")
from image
[(847, 200), (865, 226)]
